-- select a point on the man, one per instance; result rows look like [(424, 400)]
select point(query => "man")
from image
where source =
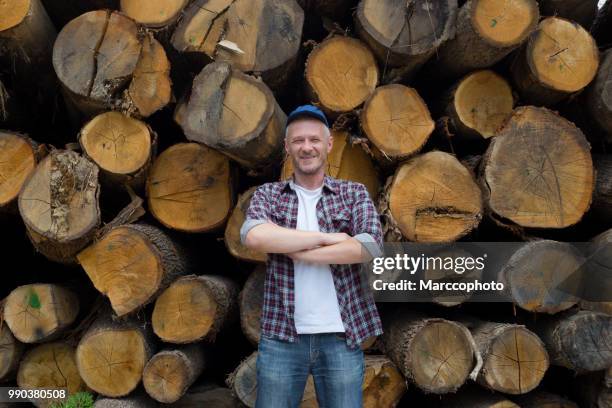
[(316, 309)]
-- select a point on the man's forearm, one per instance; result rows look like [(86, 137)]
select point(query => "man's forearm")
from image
[(273, 239), (350, 251)]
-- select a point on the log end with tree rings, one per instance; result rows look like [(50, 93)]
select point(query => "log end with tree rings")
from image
[(12, 13), (194, 308), (544, 276), (119, 145), (131, 264), (502, 24), (38, 312), (345, 161), (153, 13), (480, 104), (397, 121), (50, 366), (341, 73), (232, 231), (18, 159), (235, 114), (59, 205), (529, 180), (383, 384), (189, 188), (432, 198)]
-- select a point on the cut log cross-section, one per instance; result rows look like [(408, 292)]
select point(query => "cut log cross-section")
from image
[(405, 34), (194, 308), (38, 312), (487, 31), (397, 121), (153, 14), (121, 146), (479, 104), (59, 205), (341, 73), (235, 114), (530, 179), (111, 355), (560, 58), (599, 96), (169, 373), (189, 188), (232, 231), (132, 264), (10, 353), (431, 198), (50, 366), (18, 158)]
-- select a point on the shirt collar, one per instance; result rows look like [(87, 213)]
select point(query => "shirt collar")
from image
[(329, 184)]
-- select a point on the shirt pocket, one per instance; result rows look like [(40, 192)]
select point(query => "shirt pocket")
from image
[(341, 221)]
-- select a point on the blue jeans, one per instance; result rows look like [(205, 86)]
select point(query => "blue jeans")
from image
[(283, 367)]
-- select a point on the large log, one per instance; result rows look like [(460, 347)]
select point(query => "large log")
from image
[(487, 31), (11, 350), (232, 231), (405, 34), (112, 354), (436, 354), (431, 198), (260, 37), (189, 188), (397, 121), (538, 277), (579, 340), (132, 264), (153, 14), (341, 73), (235, 114), (18, 157), (599, 95), (50, 366), (169, 373), (532, 182), (581, 11), (194, 308), (345, 161), (59, 205), (122, 147), (479, 104), (559, 59), (38, 312)]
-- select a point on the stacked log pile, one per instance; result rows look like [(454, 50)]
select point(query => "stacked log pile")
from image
[(133, 134)]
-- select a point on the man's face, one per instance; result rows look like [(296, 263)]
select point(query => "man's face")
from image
[(308, 145)]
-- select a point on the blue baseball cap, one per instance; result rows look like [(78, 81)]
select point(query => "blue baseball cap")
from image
[(308, 111)]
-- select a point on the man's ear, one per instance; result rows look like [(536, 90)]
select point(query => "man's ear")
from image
[(330, 143)]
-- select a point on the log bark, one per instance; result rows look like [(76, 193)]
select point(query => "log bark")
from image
[(132, 401), (19, 156), (530, 182), (599, 96), (189, 188), (251, 303), (581, 11), (414, 205), (208, 395), (235, 114), (232, 231), (579, 340), (39, 312), (345, 161), (59, 204), (479, 104), (487, 31), (122, 147), (50, 366), (544, 399), (404, 35), (195, 308), (397, 121), (11, 350), (112, 354), (132, 264), (559, 59), (266, 33), (539, 277), (169, 373), (330, 83), (136, 81), (437, 355)]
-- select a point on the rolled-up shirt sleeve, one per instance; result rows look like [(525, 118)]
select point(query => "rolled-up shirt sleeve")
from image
[(366, 222), (257, 213)]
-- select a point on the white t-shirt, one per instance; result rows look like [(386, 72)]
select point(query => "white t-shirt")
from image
[(316, 302)]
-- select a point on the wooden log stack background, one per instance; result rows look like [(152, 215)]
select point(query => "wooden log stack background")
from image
[(132, 135)]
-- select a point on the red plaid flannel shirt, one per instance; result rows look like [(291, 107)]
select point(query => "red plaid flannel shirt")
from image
[(345, 206)]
